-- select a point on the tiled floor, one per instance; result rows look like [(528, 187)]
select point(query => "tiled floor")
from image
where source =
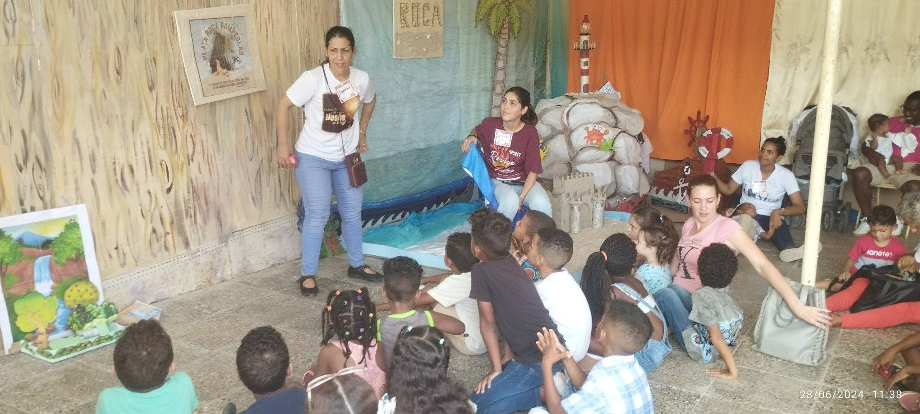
[(207, 325)]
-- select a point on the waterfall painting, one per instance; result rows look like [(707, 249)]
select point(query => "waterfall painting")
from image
[(47, 268)]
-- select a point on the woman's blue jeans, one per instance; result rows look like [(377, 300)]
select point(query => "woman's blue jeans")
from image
[(675, 304), (318, 179), (508, 195)]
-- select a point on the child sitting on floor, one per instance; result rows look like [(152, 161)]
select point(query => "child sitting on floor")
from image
[(401, 278), (644, 216), (418, 380), (561, 295), (510, 306), (656, 246), (263, 364), (451, 296), (343, 392), (349, 338), (880, 140), (607, 276), (144, 364), (716, 317), (877, 248), (647, 216), (522, 239), (617, 383)]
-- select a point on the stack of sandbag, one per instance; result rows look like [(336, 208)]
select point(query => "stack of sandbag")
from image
[(593, 133)]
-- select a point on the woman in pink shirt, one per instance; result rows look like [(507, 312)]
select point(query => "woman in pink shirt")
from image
[(703, 228)]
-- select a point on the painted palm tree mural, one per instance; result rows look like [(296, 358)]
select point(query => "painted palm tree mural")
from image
[(504, 21)]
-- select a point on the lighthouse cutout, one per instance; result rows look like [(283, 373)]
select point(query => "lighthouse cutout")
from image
[(585, 46)]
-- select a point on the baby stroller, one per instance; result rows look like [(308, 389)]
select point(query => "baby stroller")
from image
[(834, 214)]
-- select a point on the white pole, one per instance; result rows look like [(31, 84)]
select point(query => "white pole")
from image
[(819, 154)]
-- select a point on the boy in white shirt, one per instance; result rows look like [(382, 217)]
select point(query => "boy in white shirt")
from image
[(451, 296), (561, 295)]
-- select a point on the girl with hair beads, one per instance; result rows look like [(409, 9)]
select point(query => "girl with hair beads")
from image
[(418, 380), (656, 245), (349, 338), (606, 277)]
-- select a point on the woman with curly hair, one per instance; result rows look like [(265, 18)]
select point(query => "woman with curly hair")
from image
[(417, 380)]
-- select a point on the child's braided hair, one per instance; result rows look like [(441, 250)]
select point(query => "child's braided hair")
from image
[(614, 260), (350, 315)]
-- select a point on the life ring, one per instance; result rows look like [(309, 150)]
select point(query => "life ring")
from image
[(725, 133)]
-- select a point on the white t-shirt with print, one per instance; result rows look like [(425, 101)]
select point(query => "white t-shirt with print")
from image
[(455, 291), (568, 307), (307, 92), (769, 197)]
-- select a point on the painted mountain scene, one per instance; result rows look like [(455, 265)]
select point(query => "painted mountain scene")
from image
[(44, 277)]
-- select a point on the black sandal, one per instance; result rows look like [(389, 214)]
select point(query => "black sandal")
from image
[(360, 272), (313, 291)]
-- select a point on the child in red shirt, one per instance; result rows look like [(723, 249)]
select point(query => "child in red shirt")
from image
[(877, 248)]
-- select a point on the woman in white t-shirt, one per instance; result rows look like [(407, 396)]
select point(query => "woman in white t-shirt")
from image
[(330, 95), (764, 184)]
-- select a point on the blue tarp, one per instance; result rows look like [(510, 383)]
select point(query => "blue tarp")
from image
[(421, 226)]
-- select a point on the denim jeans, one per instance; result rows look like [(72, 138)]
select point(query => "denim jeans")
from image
[(782, 238), (516, 388), (318, 179), (675, 304), (508, 203), (651, 355)]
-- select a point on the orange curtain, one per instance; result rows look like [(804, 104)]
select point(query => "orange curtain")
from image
[(672, 58)]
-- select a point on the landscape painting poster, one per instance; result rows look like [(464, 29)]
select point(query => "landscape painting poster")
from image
[(47, 266)]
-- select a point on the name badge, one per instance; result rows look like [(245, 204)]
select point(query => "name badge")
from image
[(759, 186), (502, 138), (345, 91)]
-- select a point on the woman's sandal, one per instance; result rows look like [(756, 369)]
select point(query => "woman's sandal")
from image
[(360, 272), (313, 291)]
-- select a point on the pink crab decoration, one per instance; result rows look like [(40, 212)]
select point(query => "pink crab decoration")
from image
[(595, 136)]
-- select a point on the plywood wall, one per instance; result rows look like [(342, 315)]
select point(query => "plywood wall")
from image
[(95, 109)]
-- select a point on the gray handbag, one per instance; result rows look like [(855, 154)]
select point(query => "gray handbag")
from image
[(781, 334)]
